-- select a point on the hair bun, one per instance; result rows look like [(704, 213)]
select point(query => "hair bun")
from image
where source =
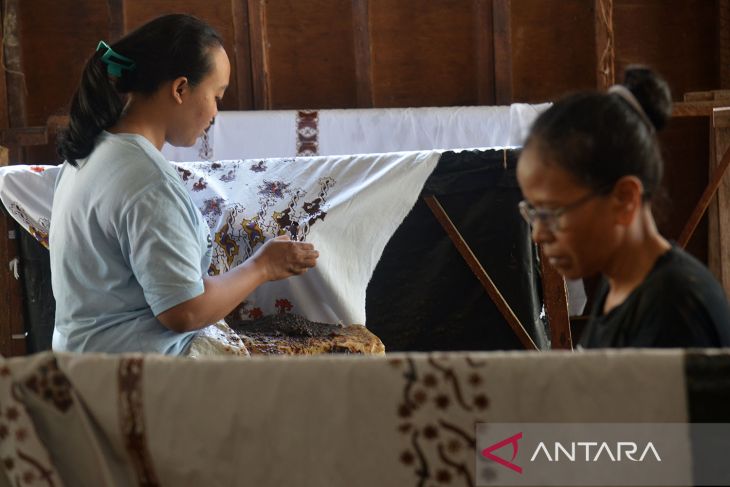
[(652, 92)]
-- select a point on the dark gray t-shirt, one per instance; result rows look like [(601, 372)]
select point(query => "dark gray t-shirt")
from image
[(679, 304)]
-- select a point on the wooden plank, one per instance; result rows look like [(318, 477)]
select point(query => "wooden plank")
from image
[(242, 54), (259, 67), (719, 229), (484, 26), (476, 267), (544, 67), (721, 118), (309, 57), (605, 44), (502, 51), (23, 137), (723, 7), (116, 19), (678, 38), (42, 24), (3, 88), (11, 303), (556, 306), (702, 109), (12, 325), (712, 95), (695, 96), (423, 53), (12, 59), (363, 54)]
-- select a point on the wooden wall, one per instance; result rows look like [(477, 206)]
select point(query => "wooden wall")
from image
[(382, 53)]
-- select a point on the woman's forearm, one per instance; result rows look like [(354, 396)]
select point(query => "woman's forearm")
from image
[(222, 294)]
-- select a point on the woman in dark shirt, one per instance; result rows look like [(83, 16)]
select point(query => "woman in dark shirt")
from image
[(588, 171)]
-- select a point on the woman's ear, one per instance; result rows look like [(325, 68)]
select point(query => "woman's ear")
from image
[(179, 88), (628, 198)]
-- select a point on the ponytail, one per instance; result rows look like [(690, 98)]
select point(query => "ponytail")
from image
[(95, 106)]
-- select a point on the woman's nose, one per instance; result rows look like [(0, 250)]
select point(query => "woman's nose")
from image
[(541, 232)]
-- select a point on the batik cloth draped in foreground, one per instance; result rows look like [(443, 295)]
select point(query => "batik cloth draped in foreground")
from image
[(322, 421), (347, 206)]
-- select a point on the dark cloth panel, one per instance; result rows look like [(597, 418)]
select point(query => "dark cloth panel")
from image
[(35, 271), (707, 378), (424, 297)]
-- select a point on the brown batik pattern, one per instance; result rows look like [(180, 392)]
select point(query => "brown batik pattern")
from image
[(51, 385), (24, 459), (440, 451), (131, 412), (307, 133)]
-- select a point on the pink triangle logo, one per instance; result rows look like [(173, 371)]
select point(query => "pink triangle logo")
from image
[(487, 452)]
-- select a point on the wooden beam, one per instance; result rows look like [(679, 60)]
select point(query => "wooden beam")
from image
[(712, 95), (605, 44), (259, 54), (363, 53), (242, 53), (502, 51), (724, 42), (3, 89), (484, 26), (15, 77), (719, 211), (24, 137), (476, 267), (12, 325), (116, 19), (556, 306), (11, 309), (697, 109)]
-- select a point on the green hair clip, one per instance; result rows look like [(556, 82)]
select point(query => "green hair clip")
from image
[(115, 62)]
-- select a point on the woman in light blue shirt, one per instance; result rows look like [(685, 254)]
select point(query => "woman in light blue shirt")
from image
[(129, 250)]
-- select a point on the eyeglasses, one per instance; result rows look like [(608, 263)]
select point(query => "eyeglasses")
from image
[(551, 217)]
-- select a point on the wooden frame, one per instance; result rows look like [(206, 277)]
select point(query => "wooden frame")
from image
[(715, 200)]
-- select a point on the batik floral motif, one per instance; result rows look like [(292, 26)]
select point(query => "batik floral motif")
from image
[(25, 460), (258, 166), (283, 306), (227, 244), (435, 446), (51, 385), (275, 189), (38, 228)]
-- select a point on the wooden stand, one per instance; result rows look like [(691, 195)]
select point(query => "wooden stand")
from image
[(714, 105), (12, 325)]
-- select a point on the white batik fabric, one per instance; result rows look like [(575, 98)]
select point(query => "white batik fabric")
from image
[(347, 206), (287, 133)]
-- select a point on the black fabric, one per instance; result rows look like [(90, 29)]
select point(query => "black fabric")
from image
[(424, 297), (39, 303), (707, 379), (679, 304)]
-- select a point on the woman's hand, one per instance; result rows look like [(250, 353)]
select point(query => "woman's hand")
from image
[(282, 257)]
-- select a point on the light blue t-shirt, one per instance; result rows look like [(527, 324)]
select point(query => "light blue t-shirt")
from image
[(126, 244)]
